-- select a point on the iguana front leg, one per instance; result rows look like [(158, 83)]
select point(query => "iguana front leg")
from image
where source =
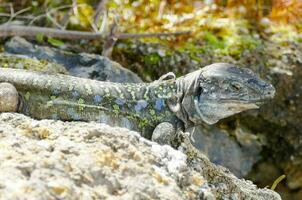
[(167, 133), (175, 136), (164, 133)]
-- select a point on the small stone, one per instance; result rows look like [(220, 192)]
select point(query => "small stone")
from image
[(9, 98)]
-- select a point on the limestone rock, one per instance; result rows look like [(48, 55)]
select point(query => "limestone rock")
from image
[(77, 160)]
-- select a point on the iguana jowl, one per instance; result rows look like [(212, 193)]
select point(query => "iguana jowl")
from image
[(206, 95)]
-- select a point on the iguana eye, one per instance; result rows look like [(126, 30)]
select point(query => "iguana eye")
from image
[(235, 86)]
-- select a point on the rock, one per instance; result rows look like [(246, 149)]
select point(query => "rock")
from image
[(225, 150), (23, 62), (280, 121), (79, 160), (82, 65), (9, 98)]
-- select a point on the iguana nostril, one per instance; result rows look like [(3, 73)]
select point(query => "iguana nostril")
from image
[(269, 91)]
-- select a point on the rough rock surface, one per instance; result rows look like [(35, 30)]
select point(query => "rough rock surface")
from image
[(238, 154), (76, 160), (24, 62)]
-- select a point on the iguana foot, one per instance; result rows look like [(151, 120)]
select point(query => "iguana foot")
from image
[(185, 145), (9, 98), (164, 133)]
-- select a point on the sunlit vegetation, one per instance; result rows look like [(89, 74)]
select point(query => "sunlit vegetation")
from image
[(225, 27)]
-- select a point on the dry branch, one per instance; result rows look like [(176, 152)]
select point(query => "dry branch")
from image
[(101, 8), (110, 41), (32, 31), (16, 17), (144, 35)]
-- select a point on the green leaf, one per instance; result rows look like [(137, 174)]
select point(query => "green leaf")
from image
[(213, 40), (55, 42), (152, 59), (277, 181), (40, 37)]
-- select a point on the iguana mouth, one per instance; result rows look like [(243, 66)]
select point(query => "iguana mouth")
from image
[(241, 102), (257, 102), (212, 111)]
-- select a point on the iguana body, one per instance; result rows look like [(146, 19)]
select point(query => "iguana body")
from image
[(134, 106), (206, 95)]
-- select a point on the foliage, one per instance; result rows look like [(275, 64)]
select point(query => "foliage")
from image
[(280, 11), (218, 27), (55, 42), (211, 21), (277, 181)]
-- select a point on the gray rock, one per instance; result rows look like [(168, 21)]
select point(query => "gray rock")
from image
[(223, 149), (77, 160), (8, 98), (82, 65)]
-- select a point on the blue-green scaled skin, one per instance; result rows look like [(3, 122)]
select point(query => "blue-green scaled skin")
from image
[(135, 106), (204, 96)]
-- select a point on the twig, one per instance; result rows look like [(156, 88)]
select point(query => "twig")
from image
[(75, 8), (100, 10), (48, 15), (11, 8), (144, 35), (161, 8), (32, 31), (52, 11), (14, 14), (104, 22), (110, 40), (17, 17), (66, 18)]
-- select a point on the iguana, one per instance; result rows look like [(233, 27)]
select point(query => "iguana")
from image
[(203, 96)]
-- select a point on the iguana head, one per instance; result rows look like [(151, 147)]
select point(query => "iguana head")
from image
[(221, 90)]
